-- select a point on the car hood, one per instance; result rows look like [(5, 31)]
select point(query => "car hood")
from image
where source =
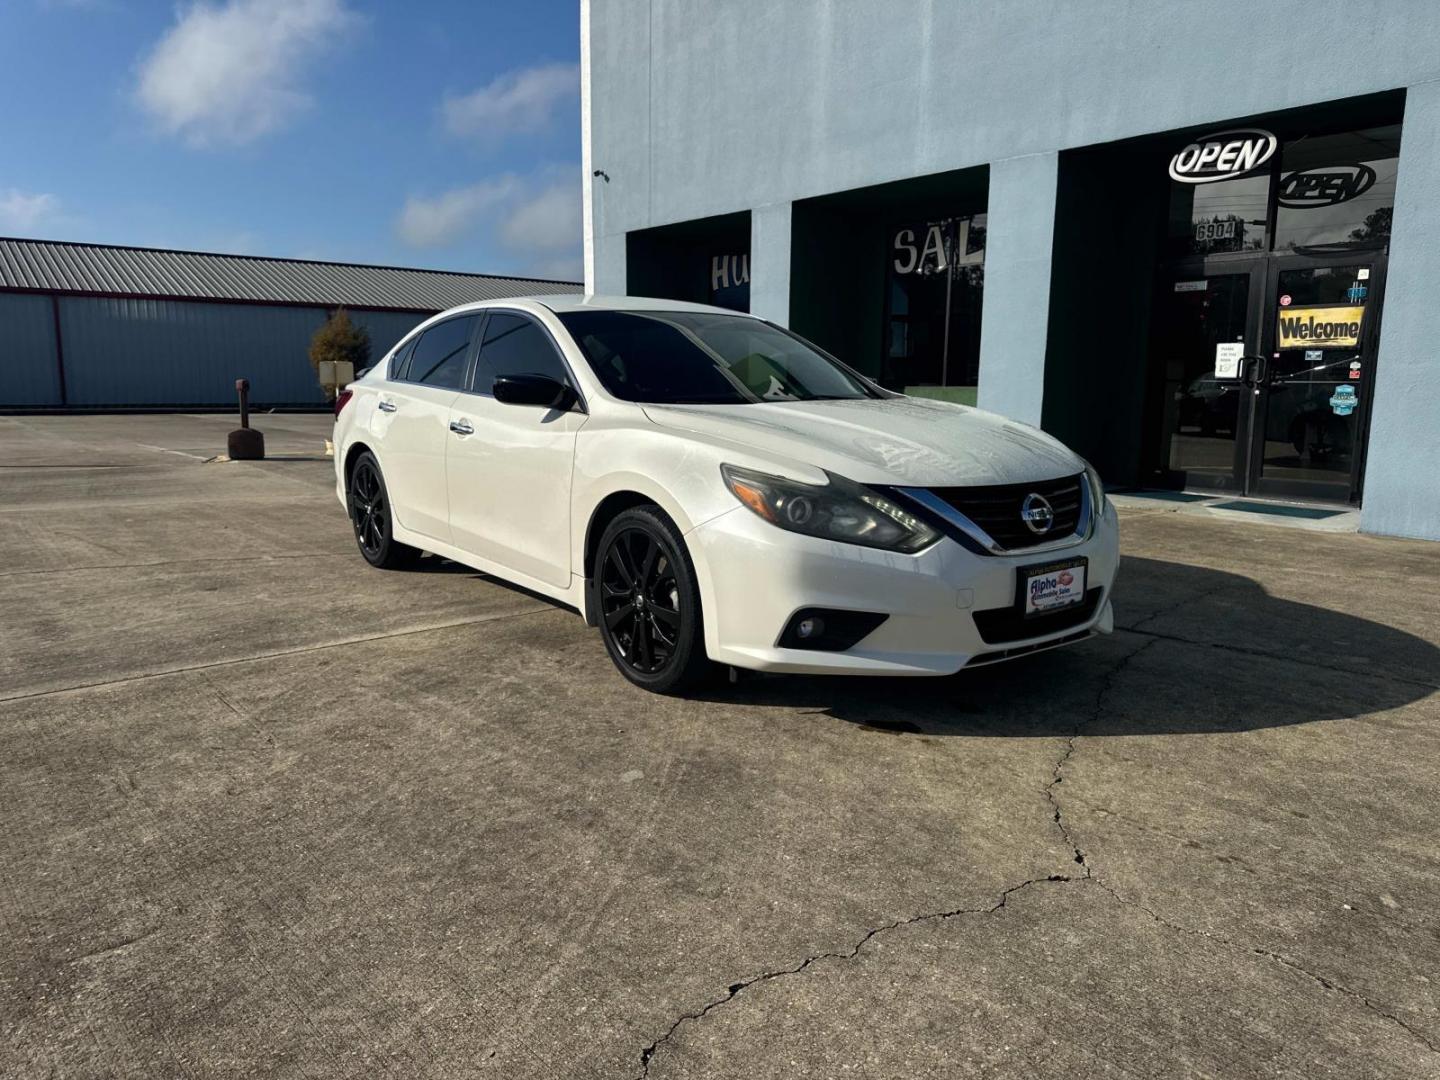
[(906, 441)]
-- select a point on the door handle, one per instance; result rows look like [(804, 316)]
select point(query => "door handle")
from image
[(387, 406), (461, 427)]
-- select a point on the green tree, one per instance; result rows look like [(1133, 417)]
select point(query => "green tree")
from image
[(1375, 227), (340, 339)]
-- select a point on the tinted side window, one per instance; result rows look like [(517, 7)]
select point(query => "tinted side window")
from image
[(514, 345), (440, 355), (400, 359)]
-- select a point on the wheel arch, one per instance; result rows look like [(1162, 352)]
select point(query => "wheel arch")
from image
[(352, 455), (613, 504)]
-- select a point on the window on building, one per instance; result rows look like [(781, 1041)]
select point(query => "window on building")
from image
[(516, 345), (1220, 218), (440, 355), (1327, 194), (935, 284), (1337, 192), (730, 281)]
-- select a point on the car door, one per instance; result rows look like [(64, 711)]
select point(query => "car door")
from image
[(509, 467), (412, 425)]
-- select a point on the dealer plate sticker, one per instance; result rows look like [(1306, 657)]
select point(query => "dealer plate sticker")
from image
[(1049, 588)]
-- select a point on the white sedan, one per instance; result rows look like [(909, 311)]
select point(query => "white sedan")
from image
[(707, 487)]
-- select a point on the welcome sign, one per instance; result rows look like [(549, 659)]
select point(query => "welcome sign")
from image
[(1320, 328)]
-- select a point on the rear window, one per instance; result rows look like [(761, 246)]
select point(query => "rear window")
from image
[(399, 359), (441, 354)]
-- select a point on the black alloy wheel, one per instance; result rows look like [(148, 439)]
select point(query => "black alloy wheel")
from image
[(370, 515), (649, 602)]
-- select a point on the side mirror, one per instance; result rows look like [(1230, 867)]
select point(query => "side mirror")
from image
[(535, 390)]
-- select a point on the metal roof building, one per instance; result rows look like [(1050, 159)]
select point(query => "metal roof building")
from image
[(97, 326)]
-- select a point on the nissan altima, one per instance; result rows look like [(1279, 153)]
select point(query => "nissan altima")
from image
[(708, 488)]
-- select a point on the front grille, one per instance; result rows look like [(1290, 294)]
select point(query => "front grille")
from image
[(998, 626), (996, 509)]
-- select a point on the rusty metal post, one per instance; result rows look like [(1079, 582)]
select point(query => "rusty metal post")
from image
[(245, 443)]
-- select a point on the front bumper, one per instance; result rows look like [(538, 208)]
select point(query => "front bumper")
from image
[(754, 577)]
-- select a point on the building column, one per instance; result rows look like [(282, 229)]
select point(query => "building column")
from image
[(604, 253), (1019, 235), (1402, 471), (770, 262), (606, 274)]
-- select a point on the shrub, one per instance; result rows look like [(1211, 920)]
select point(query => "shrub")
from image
[(340, 339)]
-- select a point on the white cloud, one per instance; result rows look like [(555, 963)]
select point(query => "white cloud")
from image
[(536, 221), (21, 212), (516, 101), (446, 218), (546, 223), (232, 72)]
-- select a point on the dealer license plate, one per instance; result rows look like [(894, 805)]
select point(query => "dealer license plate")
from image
[(1052, 587)]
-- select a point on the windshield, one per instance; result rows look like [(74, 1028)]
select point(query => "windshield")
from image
[(699, 358)]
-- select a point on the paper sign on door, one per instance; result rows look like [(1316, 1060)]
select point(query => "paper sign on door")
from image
[(1228, 355)]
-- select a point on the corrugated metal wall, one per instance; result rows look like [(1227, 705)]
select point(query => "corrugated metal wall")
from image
[(28, 371), (386, 328), (162, 352)]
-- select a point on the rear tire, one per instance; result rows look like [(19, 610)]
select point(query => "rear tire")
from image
[(368, 501), (648, 602)]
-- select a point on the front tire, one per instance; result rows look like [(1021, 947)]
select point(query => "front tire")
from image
[(649, 602), (369, 504)]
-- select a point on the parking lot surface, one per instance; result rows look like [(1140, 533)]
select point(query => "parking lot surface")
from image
[(265, 811)]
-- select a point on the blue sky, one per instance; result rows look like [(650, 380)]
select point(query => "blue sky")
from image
[(437, 133)]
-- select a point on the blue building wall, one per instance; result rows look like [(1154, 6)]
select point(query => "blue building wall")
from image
[(135, 352), (695, 109), (29, 374), (1402, 476)]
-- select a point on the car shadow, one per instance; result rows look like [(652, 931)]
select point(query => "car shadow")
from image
[(438, 564), (1200, 650)]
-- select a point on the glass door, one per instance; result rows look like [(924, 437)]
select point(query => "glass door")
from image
[(1311, 403), (1287, 260), (1210, 322)]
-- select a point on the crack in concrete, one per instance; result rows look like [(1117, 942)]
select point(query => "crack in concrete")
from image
[(1158, 613), (1087, 876), (1279, 958), (1106, 686), (737, 988), (734, 990)]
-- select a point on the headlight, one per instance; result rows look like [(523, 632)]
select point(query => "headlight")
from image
[(1097, 490), (841, 510)]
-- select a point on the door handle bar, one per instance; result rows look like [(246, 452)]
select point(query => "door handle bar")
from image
[(461, 427), (387, 406)]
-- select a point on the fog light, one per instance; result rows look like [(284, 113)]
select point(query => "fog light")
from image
[(827, 629)]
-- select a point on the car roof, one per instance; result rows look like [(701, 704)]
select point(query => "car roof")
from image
[(561, 303)]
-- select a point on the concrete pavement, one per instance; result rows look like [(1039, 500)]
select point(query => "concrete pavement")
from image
[(269, 812)]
